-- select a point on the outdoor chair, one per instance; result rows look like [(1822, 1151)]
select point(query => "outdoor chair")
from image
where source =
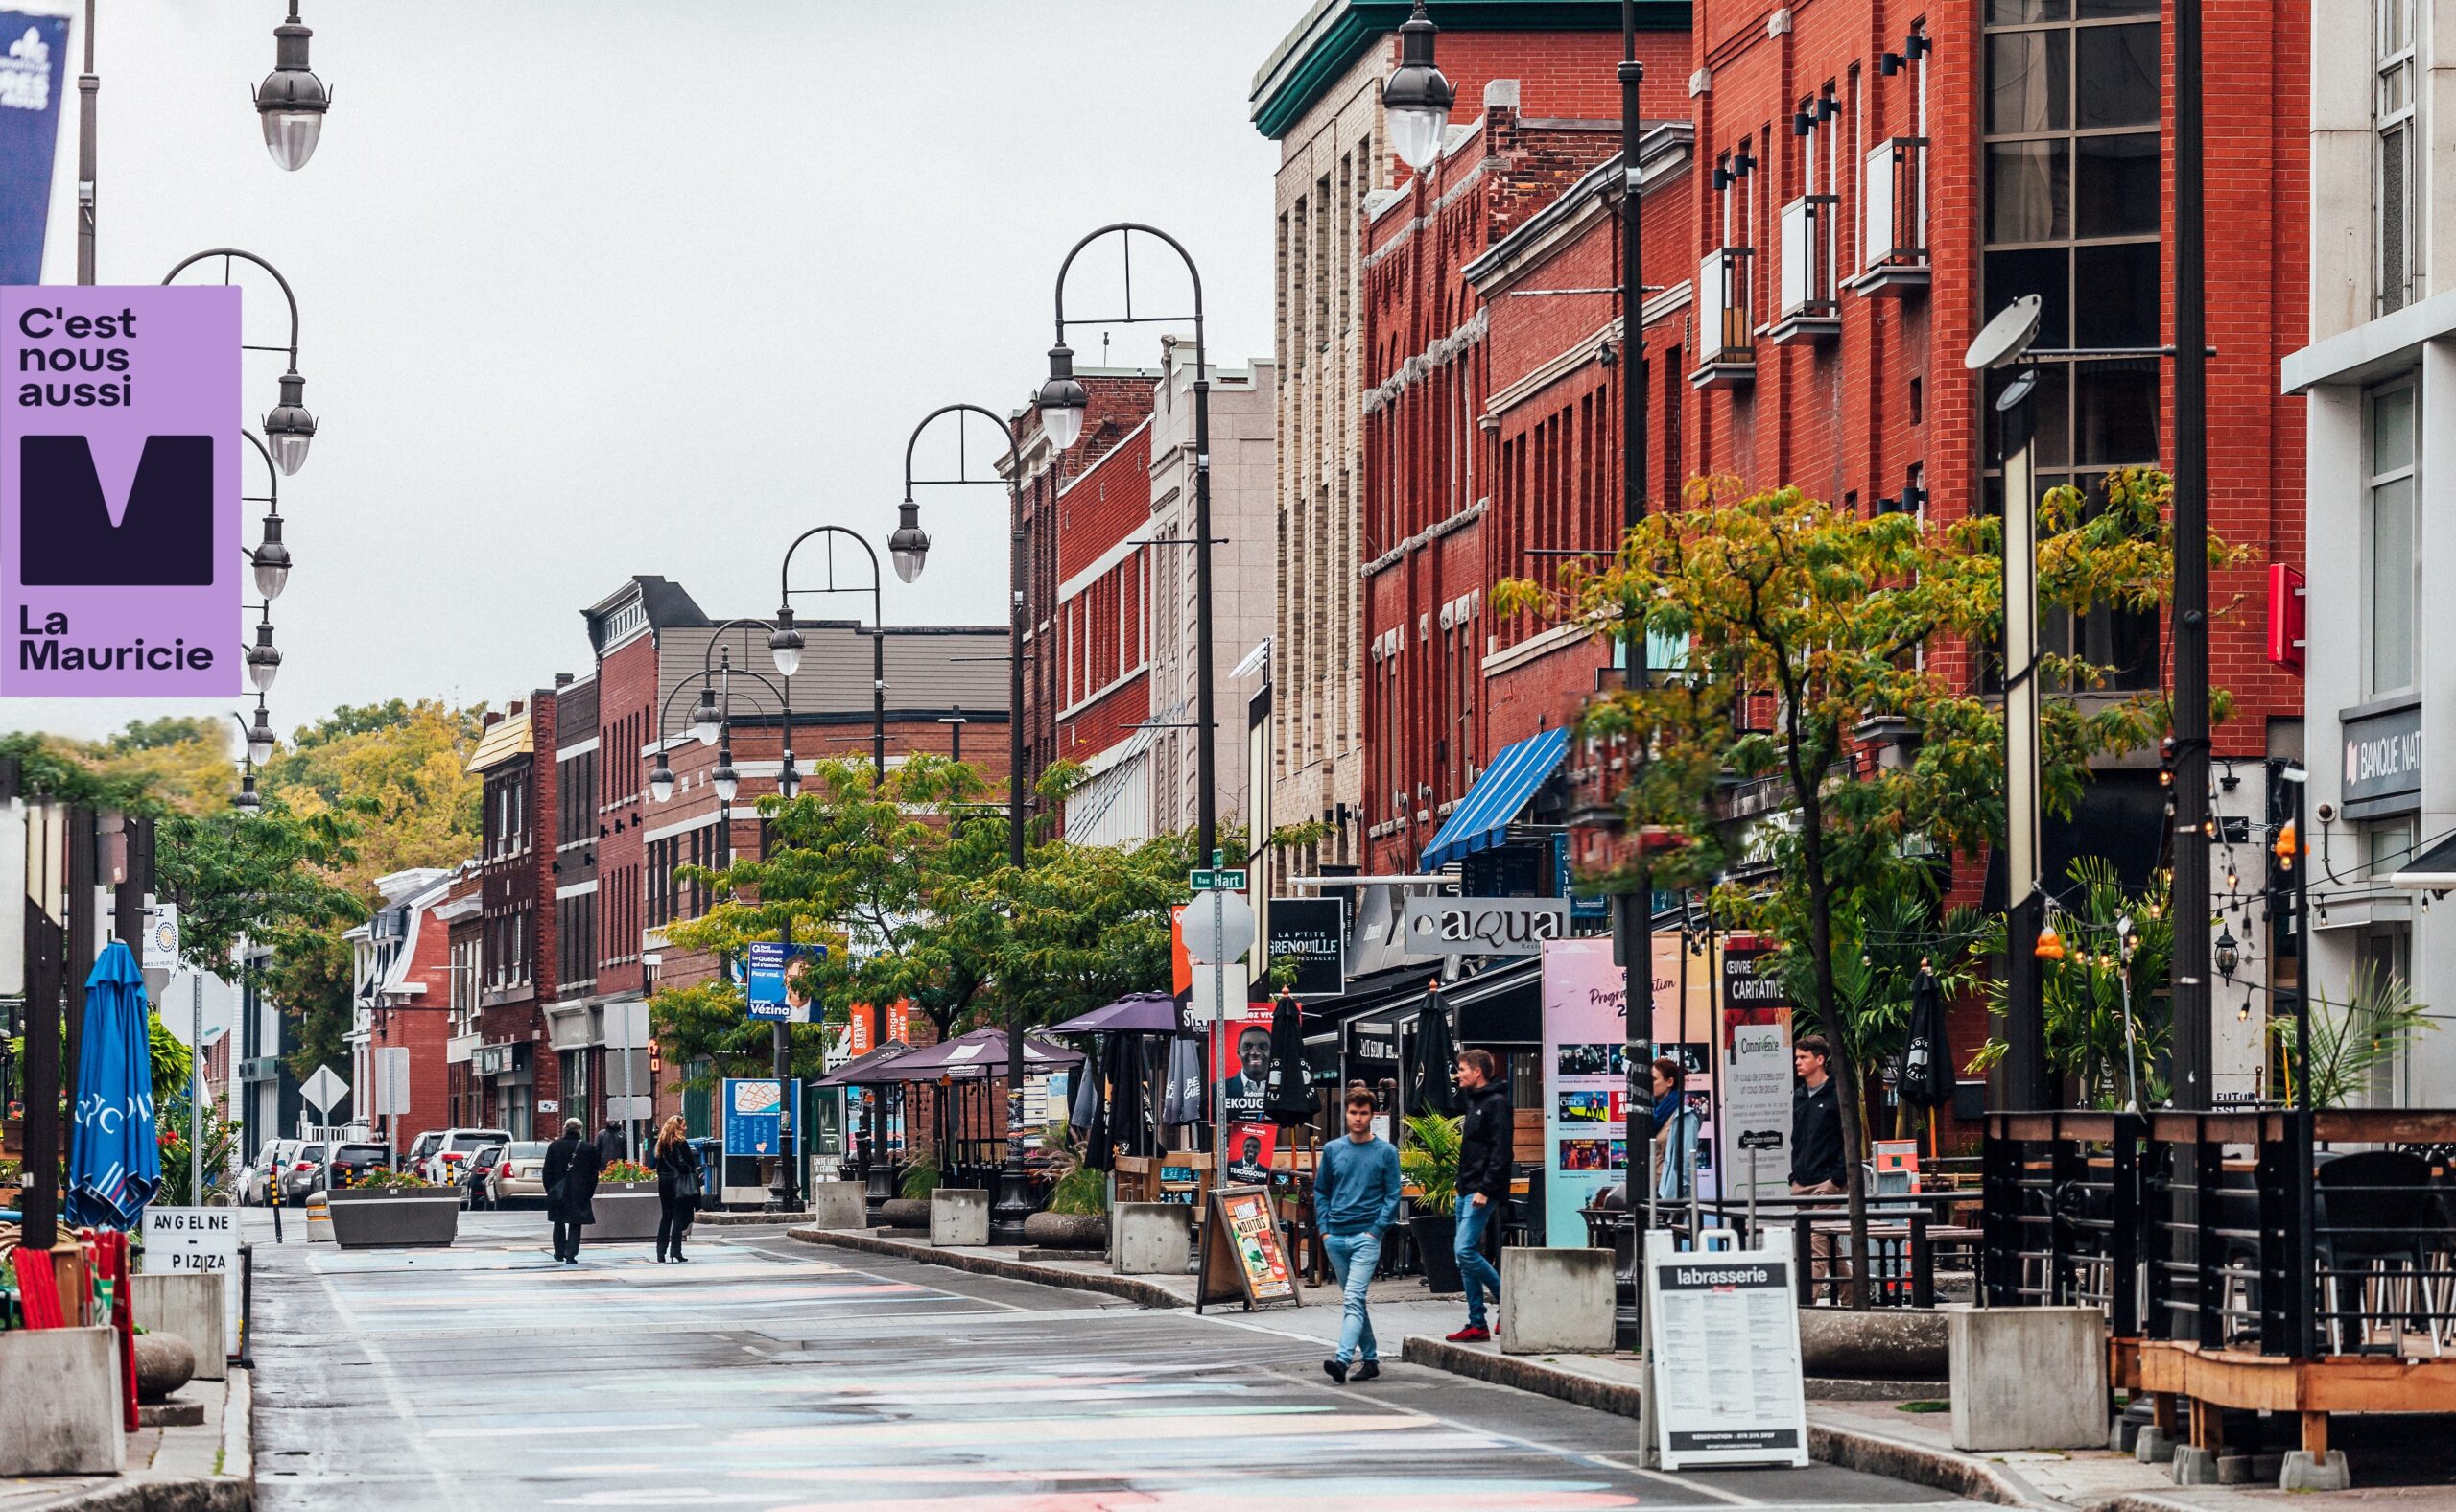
[(2377, 1219)]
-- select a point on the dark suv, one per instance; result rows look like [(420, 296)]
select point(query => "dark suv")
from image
[(350, 1163)]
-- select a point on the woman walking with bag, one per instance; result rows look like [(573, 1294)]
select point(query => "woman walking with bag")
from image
[(677, 1188)]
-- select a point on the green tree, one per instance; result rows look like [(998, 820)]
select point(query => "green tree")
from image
[(403, 768), (1797, 624)]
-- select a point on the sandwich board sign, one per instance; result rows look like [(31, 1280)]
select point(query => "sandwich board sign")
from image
[(1722, 1329), (1241, 1255)]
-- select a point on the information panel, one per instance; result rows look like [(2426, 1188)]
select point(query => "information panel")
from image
[(1725, 1357)]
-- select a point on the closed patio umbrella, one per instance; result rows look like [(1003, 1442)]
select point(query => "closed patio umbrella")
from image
[(1181, 1098), (1926, 1073), (114, 1160), (1436, 1059), (1290, 1098)]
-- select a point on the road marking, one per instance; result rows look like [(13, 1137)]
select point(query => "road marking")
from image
[(389, 1380)]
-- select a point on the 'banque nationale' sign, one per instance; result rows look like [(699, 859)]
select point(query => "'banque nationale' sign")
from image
[(119, 491), (1484, 926), (2383, 761)]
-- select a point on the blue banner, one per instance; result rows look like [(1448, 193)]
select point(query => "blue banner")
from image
[(754, 1116), (33, 67), (774, 984)]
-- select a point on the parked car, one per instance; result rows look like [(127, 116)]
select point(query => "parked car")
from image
[(478, 1177), (348, 1164), (449, 1165), (518, 1176), (421, 1150), (302, 1173), (256, 1178)]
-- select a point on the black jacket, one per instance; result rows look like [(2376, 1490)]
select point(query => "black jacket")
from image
[(673, 1165), (1816, 1136), (570, 1177), (1484, 1143), (611, 1146)]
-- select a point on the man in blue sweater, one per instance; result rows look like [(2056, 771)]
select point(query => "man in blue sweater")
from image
[(1355, 1197)]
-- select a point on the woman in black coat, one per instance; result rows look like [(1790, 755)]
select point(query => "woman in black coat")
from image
[(677, 1188), (570, 1177)]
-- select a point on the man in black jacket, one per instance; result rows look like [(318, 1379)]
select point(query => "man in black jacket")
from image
[(1485, 1140), (570, 1177), (1818, 1166), (611, 1145)]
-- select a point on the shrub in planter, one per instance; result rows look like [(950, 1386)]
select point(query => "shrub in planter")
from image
[(626, 1203), (1429, 1164), (395, 1210)]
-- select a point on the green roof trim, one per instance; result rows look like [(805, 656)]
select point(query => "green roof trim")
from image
[(1336, 32)]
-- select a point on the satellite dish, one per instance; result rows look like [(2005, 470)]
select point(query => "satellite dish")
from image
[(2007, 336)]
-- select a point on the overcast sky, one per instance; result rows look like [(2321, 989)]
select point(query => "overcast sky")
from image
[(591, 288)]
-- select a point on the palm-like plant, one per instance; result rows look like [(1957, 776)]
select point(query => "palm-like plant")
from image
[(2350, 1040), (2107, 1019), (1429, 1163)]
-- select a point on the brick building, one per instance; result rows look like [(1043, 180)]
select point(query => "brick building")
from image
[(1319, 96), (522, 1087), (401, 986)]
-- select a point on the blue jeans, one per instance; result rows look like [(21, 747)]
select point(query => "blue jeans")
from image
[(1473, 1269), (1354, 1258)]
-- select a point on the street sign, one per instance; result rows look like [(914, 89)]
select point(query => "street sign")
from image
[(1219, 929), (324, 1089), (162, 938), (187, 1241), (178, 1005), (389, 1092), (1214, 879)]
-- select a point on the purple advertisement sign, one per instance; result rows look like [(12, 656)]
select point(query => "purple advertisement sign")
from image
[(120, 561)]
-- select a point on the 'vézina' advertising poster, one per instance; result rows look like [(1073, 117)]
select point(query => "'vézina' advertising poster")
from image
[(120, 445)]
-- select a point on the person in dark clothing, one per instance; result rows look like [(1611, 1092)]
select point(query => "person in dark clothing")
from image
[(1818, 1163), (570, 1177), (677, 1188), (611, 1145), (1486, 1135)]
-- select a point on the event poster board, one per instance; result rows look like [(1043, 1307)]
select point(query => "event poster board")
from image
[(1724, 1356), (1585, 1082), (1241, 1255), (777, 984), (1755, 1060)]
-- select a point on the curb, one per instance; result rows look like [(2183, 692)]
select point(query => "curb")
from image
[(1848, 1448), (750, 1220), (1141, 1293), (218, 1494)]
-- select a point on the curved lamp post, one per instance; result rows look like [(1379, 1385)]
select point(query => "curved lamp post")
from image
[(260, 741), (270, 558), (910, 548), (712, 724), (784, 642), (287, 427), (292, 100)]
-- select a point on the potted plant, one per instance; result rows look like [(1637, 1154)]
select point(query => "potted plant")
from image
[(1429, 1168), (1077, 1214), (395, 1210), (626, 1203)]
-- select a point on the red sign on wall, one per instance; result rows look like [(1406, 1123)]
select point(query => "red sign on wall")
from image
[(2286, 598)]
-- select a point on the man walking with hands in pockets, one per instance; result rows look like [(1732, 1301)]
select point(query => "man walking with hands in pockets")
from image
[(1355, 1197), (1485, 1137)]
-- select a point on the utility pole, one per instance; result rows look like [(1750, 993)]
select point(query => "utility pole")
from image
[(1638, 908), (2194, 1049)]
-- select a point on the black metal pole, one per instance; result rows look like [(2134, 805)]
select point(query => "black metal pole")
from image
[(1012, 1202), (88, 86), (1638, 931), (2305, 1302), (2193, 1047)]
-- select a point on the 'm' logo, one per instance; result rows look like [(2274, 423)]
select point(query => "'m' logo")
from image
[(164, 539)]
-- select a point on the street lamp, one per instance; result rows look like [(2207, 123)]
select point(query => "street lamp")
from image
[(661, 779), (260, 743), (707, 721), (287, 427), (264, 658), (292, 100), (1062, 403), (1013, 1202), (786, 644), (261, 740), (1418, 97), (270, 558)]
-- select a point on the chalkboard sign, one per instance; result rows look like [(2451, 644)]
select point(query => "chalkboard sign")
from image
[(1241, 1255)]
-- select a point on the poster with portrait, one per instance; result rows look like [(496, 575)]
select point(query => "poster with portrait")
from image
[(1241, 1063), (1250, 1147)]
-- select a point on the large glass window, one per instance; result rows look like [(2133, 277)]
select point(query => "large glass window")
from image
[(2391, 553)]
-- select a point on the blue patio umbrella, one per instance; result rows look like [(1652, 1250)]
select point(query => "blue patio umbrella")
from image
[(114, 1163)]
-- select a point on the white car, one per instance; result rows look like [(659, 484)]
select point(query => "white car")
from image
[(256, 1178), (449, 1164)]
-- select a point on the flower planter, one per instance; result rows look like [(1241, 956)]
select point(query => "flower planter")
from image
[(626, 1211), (394, 1217)]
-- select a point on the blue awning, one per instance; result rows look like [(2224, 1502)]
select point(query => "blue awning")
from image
[(1481, 817)]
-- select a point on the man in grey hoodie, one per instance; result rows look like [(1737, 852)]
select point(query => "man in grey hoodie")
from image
[(1355, 1197)]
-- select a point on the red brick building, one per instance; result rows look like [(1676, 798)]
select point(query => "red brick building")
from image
[(514, 1061), (403, 986), (1102, 641)]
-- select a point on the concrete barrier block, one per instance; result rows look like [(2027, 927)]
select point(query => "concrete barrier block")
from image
[(839, 1205), (958, 1217), (2301, 1473), (2029, 1378), (1554, 1301), (190, 1306), (1151, 1239), (60, 1403)]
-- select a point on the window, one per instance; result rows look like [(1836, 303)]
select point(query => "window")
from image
[(2392, 127), (2391, 554)]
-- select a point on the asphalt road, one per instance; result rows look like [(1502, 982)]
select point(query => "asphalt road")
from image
[(768, 1374)]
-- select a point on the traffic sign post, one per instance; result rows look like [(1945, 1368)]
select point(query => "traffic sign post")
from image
[(1217, 936)]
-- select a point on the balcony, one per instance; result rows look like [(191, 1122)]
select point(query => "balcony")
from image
[(1893, 233), (1725, 332), (1809, 313)]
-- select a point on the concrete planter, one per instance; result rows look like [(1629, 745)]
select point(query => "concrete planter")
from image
[(394, 1217), (626, 1211), (1151, 1239), (2028, 1377), (60, 1403), (1879, 1344), (1554, 1301), (190, 1306), (960, 1218), (1083, 1231), (837, 1205)]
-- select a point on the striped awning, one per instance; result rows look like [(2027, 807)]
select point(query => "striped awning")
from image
[(1483, 815)]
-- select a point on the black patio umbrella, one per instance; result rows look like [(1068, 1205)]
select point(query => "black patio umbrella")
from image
[(1121, 1068), (1290, 1098), (1436, 1059), (1925, 1078)]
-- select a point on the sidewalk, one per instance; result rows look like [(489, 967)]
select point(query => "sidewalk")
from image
[(207, 1467)]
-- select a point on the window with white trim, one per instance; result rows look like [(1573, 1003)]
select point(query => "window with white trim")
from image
[(2391, 548), (2393, 128)]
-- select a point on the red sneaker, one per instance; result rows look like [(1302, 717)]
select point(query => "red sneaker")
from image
[(1471, 1333)]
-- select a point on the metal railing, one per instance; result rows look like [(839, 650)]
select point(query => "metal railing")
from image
[(2240, 1230)]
